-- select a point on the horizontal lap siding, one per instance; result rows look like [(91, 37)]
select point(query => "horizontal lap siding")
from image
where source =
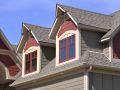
[(90, 41), (100, 81), (72, 82), (10, 65), (66, 26), (48, 54), (106, 48), (30, 42)]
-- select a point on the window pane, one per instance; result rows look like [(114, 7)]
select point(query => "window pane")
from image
[(62, 50), (71, 47), (71, 53), (62, 54), (27, 63), (34, 61)]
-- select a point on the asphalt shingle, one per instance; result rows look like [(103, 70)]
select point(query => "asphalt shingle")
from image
[(89, 58), (41, 33), (88, 17)]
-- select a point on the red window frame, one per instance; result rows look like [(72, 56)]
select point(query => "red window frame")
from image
[(31, 59), (66, 48)]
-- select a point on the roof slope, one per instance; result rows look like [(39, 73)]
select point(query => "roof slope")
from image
[(109, 23), (41, 33), (89, 58), (88, 17)]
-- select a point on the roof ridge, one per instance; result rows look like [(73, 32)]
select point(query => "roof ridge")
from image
[(36, 25), (84, 10)]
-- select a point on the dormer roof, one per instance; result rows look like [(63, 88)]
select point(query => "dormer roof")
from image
[(39, 33)]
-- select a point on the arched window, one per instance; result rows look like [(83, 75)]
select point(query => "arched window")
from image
[(67, 49)]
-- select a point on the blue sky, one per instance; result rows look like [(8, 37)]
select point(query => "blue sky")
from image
[(42, 12)]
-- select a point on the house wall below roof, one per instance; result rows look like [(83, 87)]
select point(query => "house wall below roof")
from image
[(66, 26), (6, 87), (106, 49), (99, 81), (48, 54), (90, 41), (9, 64), (71, 82), (30, 42)]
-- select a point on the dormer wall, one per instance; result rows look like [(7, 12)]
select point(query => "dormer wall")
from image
[(31, 66), (90, 40)]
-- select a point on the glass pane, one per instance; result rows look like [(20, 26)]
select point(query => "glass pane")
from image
[(71, 53), (34, 64), (62, 54), (27, 63), (34, 61), (71, 47), (27, 67)]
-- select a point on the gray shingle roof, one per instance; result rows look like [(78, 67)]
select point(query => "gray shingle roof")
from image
[(41, 33), (88, 17), (110, 33), (110, 23), (89, 58)]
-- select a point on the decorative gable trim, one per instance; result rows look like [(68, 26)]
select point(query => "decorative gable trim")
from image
[(23, 37), (67, 25), (6, 40), (30, 42), (53, 32)]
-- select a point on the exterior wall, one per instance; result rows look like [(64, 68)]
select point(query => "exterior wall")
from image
[(66, 26), (6, 87), (48, 54), (106, 49), (2, 74), (100, 81), (30, 42), (71, 82), (11, 66), (90, 41), (116, 46)]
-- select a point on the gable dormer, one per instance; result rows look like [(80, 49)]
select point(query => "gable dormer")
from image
[(33, 46), (67, 37), (85, 33), (31, 56)]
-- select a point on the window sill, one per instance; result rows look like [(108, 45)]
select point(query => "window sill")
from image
[(66, 62), (30, 74)]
